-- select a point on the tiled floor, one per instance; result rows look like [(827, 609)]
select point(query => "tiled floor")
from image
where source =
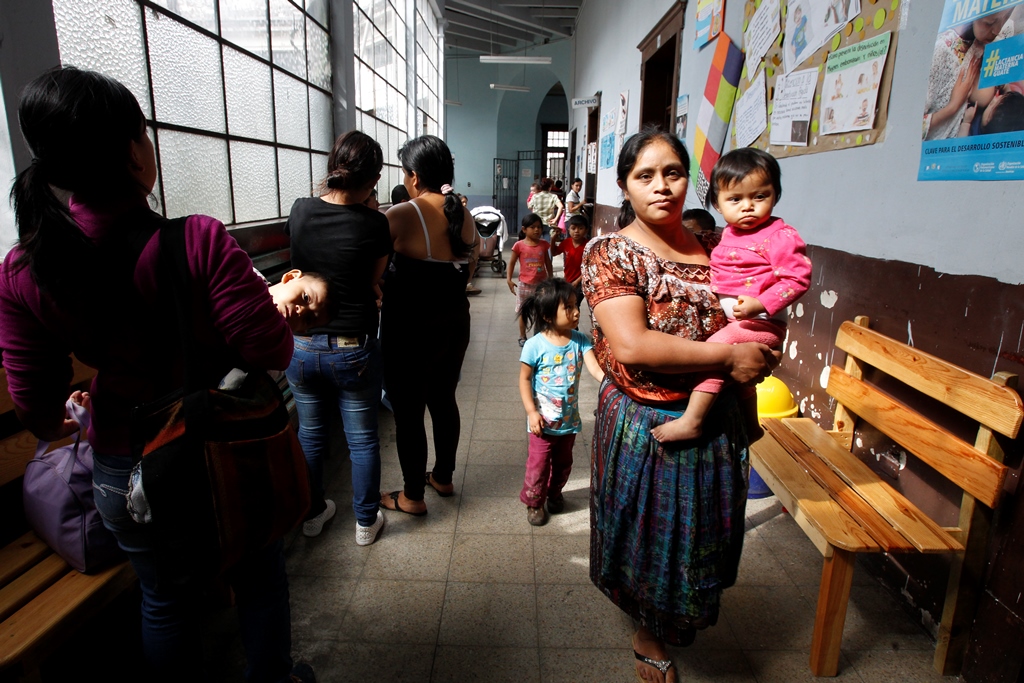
[(471, 592)]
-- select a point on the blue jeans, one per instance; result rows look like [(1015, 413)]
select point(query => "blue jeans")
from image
[(324, 378), (172, 605)]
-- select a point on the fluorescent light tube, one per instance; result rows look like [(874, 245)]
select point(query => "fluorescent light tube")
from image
[(453, 103), (513, 59), (513, 88)]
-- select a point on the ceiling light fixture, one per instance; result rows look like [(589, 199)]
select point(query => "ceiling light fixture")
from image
[(513, 88), (453, 103), (513, 59)]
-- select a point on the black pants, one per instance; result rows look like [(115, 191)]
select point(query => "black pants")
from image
[(421, 372)]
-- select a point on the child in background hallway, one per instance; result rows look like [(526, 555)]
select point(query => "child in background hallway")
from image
[(549, 383), (572, 252), (534, 265), (758, 269), (698, 220)]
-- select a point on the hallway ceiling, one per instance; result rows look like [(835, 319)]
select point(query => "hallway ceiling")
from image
[(507, 26)]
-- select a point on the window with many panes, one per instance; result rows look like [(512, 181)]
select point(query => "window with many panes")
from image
[(237, 94), (396, 98), (556, 153)]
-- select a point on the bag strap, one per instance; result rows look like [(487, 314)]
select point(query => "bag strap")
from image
[(173, 270), (84, 419)]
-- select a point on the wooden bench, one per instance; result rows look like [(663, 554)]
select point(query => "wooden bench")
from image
[(845, 508), (42, 599)]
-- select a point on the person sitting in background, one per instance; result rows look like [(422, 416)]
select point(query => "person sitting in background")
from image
[(399, 194), (698, 220)]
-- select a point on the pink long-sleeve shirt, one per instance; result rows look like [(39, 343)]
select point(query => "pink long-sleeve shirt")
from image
[(768, 263), (131, 343)]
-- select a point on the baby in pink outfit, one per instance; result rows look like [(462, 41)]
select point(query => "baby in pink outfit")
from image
[(758, 269)]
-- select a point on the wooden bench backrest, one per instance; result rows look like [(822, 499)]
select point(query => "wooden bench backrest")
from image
[(18, 448), (992, 403)]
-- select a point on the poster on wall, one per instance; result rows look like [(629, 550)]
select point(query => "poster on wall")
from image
[(709, 21), (850, 89), (812, 23), (591, 157), (791, 111), (620, 127), (715, 112), (682, 114), (751, 113), (977, 132), (761, 33), (608, 139)]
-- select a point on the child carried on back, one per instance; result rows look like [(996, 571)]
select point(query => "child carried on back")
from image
[(758, 269), (549, 382)]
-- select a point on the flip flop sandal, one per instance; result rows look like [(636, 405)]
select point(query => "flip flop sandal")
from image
[(443, 494), (398, 508), (662, 665)]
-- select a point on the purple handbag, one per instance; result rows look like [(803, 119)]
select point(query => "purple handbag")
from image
[(59, 502)]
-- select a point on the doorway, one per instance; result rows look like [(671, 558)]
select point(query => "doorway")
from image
[(659, 72)]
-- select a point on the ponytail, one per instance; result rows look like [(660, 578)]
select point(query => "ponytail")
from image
[(51, 242), (626, 214), (455, 212)]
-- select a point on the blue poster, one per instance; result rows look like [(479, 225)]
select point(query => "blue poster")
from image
[(973, 127), (608, 150)]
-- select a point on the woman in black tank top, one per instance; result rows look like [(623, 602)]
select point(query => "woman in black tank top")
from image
[(425, 319)]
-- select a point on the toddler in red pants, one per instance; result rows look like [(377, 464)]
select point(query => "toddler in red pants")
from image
[(758, 269), (549, 383)]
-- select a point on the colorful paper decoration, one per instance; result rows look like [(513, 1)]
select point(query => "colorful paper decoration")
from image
[(715, 112)]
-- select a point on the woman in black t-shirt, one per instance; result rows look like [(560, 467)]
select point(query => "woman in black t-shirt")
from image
[(338, 366)]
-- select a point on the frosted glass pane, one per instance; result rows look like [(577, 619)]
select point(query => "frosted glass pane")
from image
[(288, 37), (290, 110), (186, 74), (199, 12), (105, 36), (249, 90), (255, 182), (244, 23), (365, 88), (195, 175), (154, 196), (317, 43), (319, 167), (321, 126), (318, 10), (295, 180), (394, 141)]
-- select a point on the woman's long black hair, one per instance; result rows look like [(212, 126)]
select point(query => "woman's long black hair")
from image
[(354, 163), (628, 156), (431, 160), (79, 126)]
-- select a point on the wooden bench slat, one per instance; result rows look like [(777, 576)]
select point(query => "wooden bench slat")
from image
[(888, 538), (918, 528), (995, 406), (19, 592), (821, 518), (954, 458), (32, 630), (18, 556)]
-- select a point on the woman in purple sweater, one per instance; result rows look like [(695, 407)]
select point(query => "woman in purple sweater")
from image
[(82, 280)]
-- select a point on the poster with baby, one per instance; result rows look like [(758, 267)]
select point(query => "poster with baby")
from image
[(973, 126), (850, 89), (812, 23)]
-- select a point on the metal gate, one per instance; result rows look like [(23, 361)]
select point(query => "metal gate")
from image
[(506, 192)]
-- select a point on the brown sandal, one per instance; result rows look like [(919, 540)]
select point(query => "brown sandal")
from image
[(434, 485)]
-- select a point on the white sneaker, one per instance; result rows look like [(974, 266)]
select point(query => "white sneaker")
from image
[(365, 535), (313, 527)]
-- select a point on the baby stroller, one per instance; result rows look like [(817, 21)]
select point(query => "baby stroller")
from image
[(493, 231)]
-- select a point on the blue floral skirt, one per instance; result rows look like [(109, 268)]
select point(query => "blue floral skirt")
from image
[(666, 521)]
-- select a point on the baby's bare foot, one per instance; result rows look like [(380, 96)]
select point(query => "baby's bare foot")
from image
[(676, 430)]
